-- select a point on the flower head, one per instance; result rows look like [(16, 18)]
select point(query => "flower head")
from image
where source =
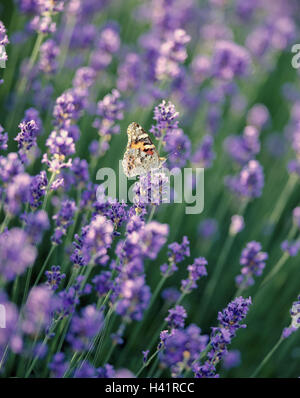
[(253, 262), (176, 317)]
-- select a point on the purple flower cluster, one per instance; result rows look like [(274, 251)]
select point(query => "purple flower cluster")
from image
[(243, 148), (16, 253), (110, 109), (176, 254), (196, 271), (97, 240), (176, 317), (3, 42), (152, 188), (230, 60), (221, 336), (26, 138), (253, 262), (292, 248), (204, 154), (38, 187), (84, 327), (295, 323), (107, 44), (49, 53), (54, 277), (63, 219), (46, 9), (3, 139), (35, 225), (180, 348), (165, 116), (249, 182), (172, 54), (237, 224)]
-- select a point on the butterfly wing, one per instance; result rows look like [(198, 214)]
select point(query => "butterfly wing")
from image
[(141, 155)]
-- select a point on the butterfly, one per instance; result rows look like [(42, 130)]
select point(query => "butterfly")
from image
[(141, 155)]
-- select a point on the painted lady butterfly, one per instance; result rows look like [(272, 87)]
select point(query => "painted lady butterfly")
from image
[(141, 155)]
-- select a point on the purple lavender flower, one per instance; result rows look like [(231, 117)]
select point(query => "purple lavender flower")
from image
[(232, 359), (67, 108), (165, 116), (253, 262), (237, 224), (17, 193), (170, 295), (196, 271), (106, 372), (37, 189), (45, 9), (26, 138), (249, 182), (39, 310), (276, 145), (110, 109), (176, 253), (79, 175), (145, 355), (113, 210), (152, 188), (129, 73), (150, 239), (60, 143), (49, 52), (58, 365), (245, 9), (54, 277), (84, 327), (64, 218), (134, 298), (97, 240), (3, 139), (107, 45), (295, 322), (243, 148), (103, 283), (33, 114), (178, 147), (180, 348), (213, 119), (35, 224), (258, 116), (85, 370), (230, 60), (69, 298), (296, 216), (204, 154), (221, 336), (83, 80), (292, 248), (3, 36), (208, 228), (201, 67), (172, 54), (10, 166), (10, 334), (176, 317)]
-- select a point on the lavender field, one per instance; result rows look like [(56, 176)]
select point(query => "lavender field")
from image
[(149, 182)]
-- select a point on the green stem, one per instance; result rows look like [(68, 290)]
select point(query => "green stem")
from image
[(5, 223), (267, 358), (147, 363), (42, 269)]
